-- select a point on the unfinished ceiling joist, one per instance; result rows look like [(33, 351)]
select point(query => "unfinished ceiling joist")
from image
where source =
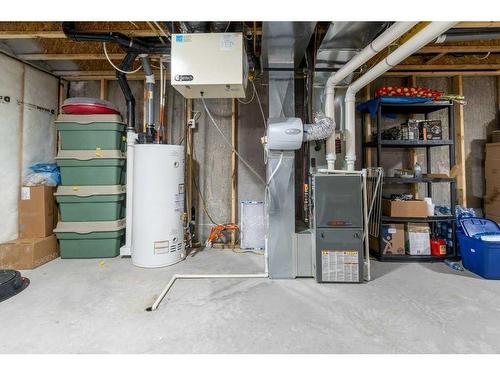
[(69, 57), (59, 34), (82, 75), (443, 73), (448, 67), (459, 49), (474, 24)]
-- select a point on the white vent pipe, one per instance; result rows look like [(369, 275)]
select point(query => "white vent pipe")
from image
[(423, 37), (382, 41)]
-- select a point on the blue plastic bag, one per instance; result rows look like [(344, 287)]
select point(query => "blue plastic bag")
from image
[(43, 174)]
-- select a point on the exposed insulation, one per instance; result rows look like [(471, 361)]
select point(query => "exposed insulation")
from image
[(39, 135), (20, 119), (11, 82)]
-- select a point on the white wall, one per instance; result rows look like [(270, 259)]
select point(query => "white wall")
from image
[(27, 133)]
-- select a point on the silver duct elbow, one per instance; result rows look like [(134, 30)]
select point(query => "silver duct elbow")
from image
[(322, 128)]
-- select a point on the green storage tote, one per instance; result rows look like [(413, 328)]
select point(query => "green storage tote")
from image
[(90, 132), (86, 167), (80, 240), (91, 203)]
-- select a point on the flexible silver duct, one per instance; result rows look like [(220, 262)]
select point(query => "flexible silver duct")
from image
[(322, 128)]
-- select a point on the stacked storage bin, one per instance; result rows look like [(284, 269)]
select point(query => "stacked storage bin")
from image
[(92, 193)]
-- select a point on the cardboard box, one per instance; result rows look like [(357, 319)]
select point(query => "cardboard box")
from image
[(418, 239), (430, 129), (413, 208), (25, 254), (36, 211), (393, 239), (495, 136)]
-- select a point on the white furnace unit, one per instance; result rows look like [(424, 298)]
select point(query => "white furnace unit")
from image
[(158, 205), (214, 64)]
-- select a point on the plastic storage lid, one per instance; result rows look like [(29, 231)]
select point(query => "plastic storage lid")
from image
[(83, 105), (89, 119), (90, 154), (86, 227), (88, 191), (474, 226)]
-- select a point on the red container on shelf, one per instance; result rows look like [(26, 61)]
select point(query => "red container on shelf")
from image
[(438, 247)]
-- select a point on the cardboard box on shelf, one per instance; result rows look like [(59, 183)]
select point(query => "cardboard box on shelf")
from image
[(393, 239), (26, 254), (418, 239), (411, 208), (430, 129), (37, 215)]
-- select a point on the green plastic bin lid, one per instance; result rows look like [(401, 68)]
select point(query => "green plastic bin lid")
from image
[(89, 119), (86, 227), (89, 191), (90, 154)]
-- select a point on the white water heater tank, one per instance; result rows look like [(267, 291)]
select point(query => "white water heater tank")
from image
[(158, 205)]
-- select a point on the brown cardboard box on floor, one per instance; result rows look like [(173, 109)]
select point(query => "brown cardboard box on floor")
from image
[(413, 208), (36, 211), (393, 239), (26, 254)]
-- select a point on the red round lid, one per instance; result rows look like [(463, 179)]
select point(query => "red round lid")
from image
[(88, 109)]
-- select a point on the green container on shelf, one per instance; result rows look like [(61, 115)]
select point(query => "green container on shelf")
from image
[(90, 132), (87, 168), (91, 203), (81, 240)]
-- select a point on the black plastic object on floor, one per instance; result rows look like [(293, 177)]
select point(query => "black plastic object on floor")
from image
[(11, 283)]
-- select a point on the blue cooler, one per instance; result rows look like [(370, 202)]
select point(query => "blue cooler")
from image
[(480, 246)]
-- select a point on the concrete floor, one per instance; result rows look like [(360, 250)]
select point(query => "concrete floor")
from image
[(93, 306)]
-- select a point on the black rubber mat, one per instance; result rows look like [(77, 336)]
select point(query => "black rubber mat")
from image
[(11, 283)]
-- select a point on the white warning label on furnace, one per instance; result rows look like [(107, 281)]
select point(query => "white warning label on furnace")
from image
[(340, 265)]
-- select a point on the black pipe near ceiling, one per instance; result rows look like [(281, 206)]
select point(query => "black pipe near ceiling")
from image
[(123, 83), (131, 46)]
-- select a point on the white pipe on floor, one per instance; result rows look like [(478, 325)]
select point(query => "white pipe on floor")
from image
[(386, 38), (420, 39), (155, 305)]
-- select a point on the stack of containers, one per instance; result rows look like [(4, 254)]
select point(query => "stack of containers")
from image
[(92, 193)]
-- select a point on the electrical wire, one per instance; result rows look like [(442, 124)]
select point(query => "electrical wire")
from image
[(229, 143), (114, 66), (227, 26), (482, 57), (260, 105), (204, 203), (248, 101)]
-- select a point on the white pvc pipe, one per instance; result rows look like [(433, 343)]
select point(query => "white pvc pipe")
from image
[(126, 250), (423, 37), (155, 305), (386, 38)]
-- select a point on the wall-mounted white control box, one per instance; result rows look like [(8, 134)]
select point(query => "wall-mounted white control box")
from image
[(214, 64)]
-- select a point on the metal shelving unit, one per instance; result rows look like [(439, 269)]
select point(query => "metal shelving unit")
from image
[(380, 144)]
